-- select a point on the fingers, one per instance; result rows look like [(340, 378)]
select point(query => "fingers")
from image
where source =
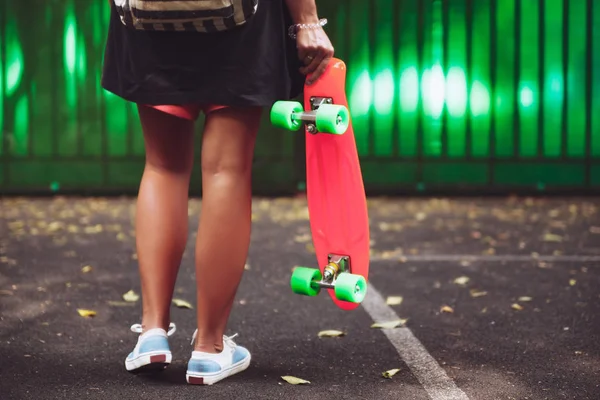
[(314, 51), (321, 67), (313, 63)]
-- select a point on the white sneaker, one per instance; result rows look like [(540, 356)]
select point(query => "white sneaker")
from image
[(209, 368), (152, 350)]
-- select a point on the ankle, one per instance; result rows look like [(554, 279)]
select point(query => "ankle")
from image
[(153, 324), (214, 348)]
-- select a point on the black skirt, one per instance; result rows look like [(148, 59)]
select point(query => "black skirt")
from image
[(255, 64)]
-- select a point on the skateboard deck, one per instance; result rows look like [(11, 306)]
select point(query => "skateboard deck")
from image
[(336, 198)]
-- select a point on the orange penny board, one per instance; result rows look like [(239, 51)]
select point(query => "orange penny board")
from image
[(337, 204)]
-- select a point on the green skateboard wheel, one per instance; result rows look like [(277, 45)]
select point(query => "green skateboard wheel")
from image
[(302, 281), (350, 287), (281, 115), (332, 119)]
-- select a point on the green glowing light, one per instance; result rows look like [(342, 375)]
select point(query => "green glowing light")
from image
[(409, 90), (384, 92), (70, 43), (361, 95), (14, 59), (526, 97), (433, 90), (456, 92), (479, 99)]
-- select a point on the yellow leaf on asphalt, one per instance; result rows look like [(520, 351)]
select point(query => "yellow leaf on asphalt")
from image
[(389, 324), (388, 374), (447, 309), (86, 313), (550, 237), (119, 303), (525, 299), (517, 307), (182, 303), (572, 282), (131, 296), (462, 280), (477, 293), (86, 269), (294, 381), (331, 333), (247, 267), (394, 300)]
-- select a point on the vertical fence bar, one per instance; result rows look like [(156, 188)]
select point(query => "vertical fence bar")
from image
[(420, 27), (493, 78), (589, 37), (396, 112), (565, 78), (445, 28), (517, 78), (468, 115), (4, 179), (553, 79), (541, 77)]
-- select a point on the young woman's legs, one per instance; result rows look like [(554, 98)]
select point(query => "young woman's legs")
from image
[(224, 230), (162, 218)]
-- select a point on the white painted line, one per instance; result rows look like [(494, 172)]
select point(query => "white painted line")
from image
[(429, 373), (486, 258)]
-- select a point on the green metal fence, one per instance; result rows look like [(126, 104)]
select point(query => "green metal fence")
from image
[(454, 94)]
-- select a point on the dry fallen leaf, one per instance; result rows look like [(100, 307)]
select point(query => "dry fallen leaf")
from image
[(119, 303), (86, 313), (525, 298), (86, 269), (572, 282), (394, 300), (331, 333), (550, 237), (131, 296), (247, 267), (389, 324), (182, 303), (447, 309), (294, 381), (477, 293), (462, 280), (388, 374), (517, 307), (6, 293)]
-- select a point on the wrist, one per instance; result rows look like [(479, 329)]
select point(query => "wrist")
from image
[(294, 29), (306, 19)]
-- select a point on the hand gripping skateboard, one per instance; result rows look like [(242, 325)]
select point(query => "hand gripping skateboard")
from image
[(336, 198)]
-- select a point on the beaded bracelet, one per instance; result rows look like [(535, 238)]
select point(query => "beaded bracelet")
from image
[(293, 30)]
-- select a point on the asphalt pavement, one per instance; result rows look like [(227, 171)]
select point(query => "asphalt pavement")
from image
[(499, 298)]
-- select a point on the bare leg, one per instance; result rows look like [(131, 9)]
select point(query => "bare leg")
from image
[(162, 218), (224, 230)]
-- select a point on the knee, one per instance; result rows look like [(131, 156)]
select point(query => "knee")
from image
[(226, 166), (178, 165)]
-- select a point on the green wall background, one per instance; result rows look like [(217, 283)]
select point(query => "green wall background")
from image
[(452, 95)]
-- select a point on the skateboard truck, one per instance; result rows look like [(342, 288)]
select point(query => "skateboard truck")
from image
[(336, 275), (324, 116), (336, 265)]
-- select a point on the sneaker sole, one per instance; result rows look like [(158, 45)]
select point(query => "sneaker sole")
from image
[(197, 379), (149, 362)]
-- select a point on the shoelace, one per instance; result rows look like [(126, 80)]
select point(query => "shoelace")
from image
[(227, 339), (137, 328)]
